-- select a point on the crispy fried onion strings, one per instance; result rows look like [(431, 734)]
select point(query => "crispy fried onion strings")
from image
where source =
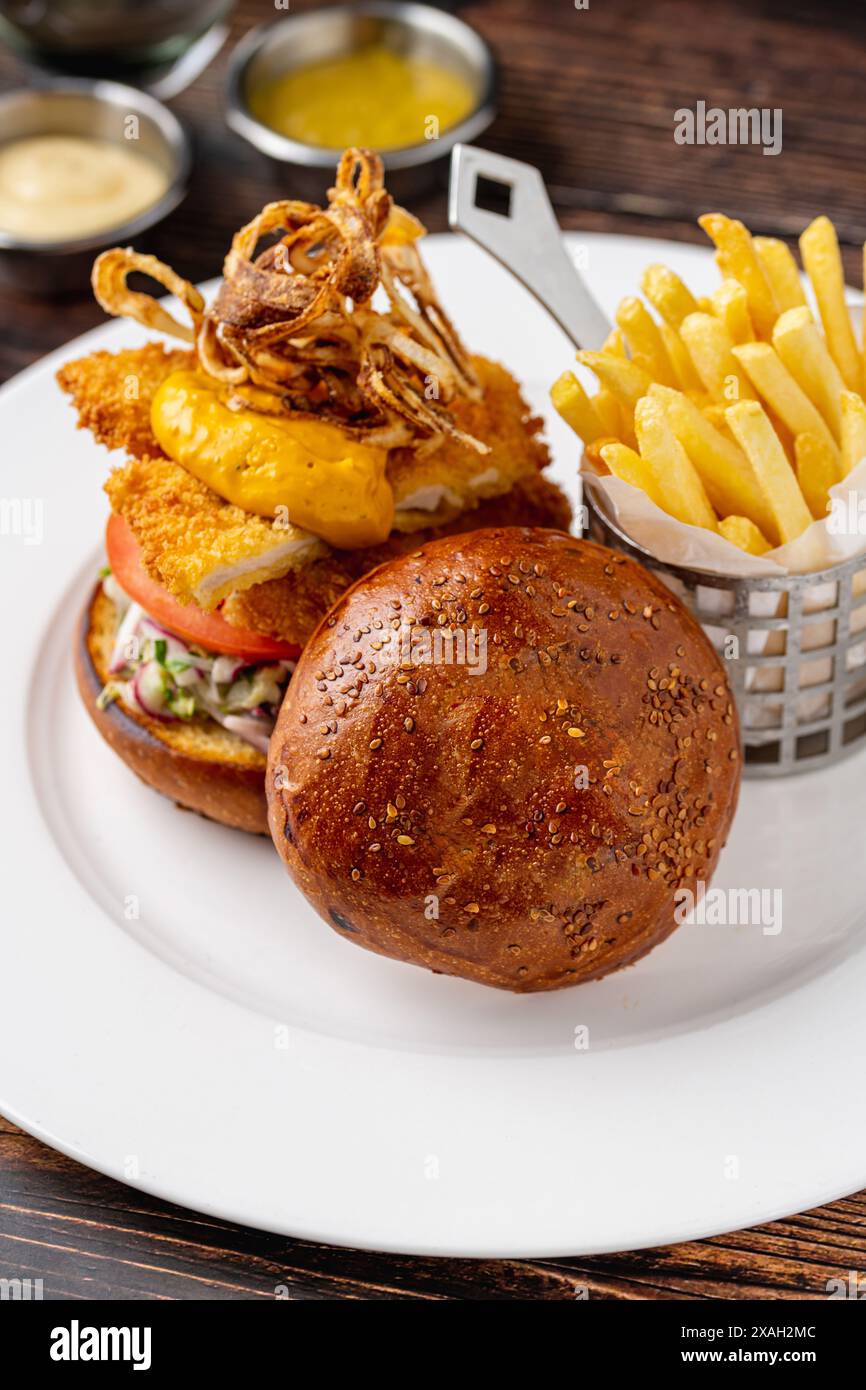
[(292, 329), (110, 271)]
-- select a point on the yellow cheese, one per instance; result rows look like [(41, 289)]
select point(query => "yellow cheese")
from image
[(306, 473)]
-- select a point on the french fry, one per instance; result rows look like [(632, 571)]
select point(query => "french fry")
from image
[(614, 344), (731, 307), (624, 463), (782, 433), (742, 532), (676, 478), (817, 471), (781, 270), (732, 406), (853, 431), (715, 415), (667, 294), (684, 369), (737, 257), (625, 379), (644, 340), (780, 391), (754, 433), (724, 470), (819, 248), (592, 452), (709, 347), (612, 416), (576, 408), (804, 353)]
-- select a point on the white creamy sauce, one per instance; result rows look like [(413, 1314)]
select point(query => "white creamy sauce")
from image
[(59, 187)]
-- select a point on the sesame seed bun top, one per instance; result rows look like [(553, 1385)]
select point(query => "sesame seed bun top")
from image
[(501, 755)]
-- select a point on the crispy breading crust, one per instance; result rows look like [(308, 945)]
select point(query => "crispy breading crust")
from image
[(113, 394), (200, 547), (503, 420), (113, 391), (292, 607)]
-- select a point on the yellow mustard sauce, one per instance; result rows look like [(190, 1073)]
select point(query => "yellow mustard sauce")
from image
[(58, 187), (373, 97)]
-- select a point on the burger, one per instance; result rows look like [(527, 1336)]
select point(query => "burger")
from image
[(320, 417), (502, 756)]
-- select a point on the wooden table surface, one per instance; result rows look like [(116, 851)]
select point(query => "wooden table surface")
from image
[(589, 95)]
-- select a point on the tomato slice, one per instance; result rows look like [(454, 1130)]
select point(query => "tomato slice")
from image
[(193, 624)]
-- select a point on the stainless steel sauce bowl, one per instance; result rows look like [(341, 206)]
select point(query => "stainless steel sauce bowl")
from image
[(413, 30), (101, 110)]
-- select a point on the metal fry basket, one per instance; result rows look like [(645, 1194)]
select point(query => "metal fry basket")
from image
[(794, 647)]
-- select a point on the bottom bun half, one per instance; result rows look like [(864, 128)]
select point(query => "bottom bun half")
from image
[(200, 766)]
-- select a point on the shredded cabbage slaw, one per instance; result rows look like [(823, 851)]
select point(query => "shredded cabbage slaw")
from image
[(154, 672)]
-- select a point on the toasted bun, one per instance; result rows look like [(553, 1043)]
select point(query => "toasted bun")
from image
[(526, 825), (199, 765)]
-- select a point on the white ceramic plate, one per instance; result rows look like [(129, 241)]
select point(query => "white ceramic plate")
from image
[(176, 1016)]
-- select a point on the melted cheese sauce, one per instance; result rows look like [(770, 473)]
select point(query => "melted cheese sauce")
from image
[(304, 473)]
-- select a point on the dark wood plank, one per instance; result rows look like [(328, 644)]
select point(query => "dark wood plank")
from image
[(589, 96)]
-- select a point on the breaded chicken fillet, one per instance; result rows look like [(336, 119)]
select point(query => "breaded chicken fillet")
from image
[(281, 580)]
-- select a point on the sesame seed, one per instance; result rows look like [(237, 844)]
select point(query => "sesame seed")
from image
[(405, 840), (375, 743), (476, 744), (574, 732), (489, 829)]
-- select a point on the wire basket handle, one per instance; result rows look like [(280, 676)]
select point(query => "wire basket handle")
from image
[(525, 238)]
